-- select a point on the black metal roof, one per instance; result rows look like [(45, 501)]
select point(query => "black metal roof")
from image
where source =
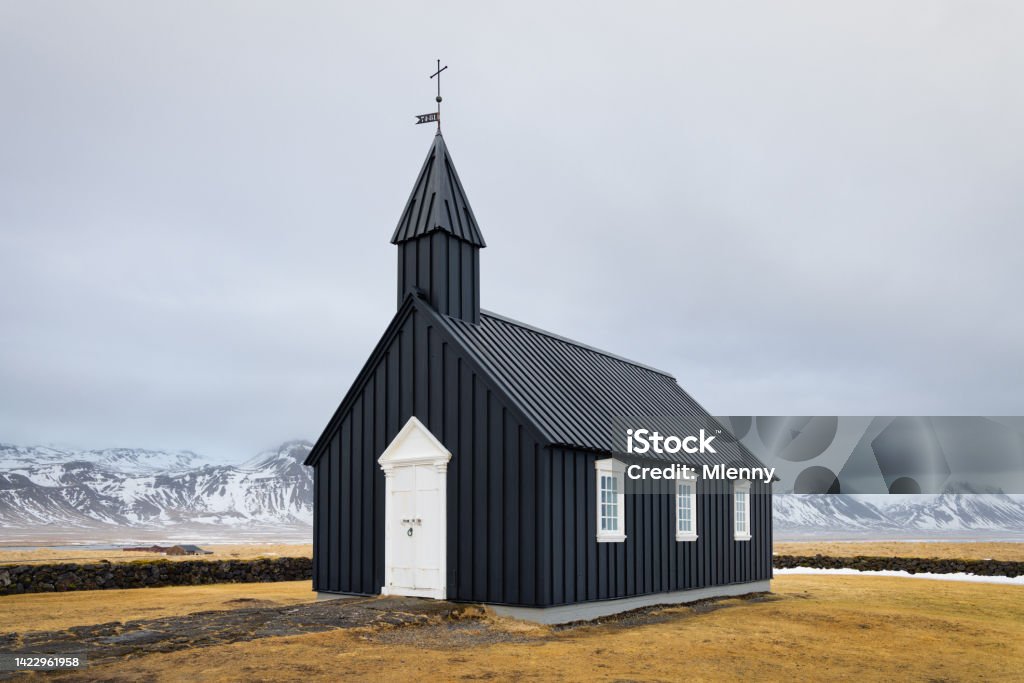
[(438, 201), (581, 397), (573, 395)]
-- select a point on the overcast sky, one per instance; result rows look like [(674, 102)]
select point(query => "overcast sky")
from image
[(795, 208)]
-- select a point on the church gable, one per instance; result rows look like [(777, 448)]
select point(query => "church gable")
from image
[(417, 369)]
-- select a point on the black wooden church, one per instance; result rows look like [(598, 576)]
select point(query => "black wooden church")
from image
[(472, 459)]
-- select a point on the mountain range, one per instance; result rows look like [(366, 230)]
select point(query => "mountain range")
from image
[(102, 493), (122, 493), (975, 516)]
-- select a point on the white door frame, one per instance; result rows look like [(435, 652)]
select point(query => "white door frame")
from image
[(414, 445)]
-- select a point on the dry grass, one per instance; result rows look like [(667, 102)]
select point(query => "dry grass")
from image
[(817, 627), (946, 551), (53, 611), (220, 552)]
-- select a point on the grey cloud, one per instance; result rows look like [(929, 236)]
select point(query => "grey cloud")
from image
[(795, 208)]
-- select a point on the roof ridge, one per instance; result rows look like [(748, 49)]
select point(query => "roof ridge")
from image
[(588, 347)]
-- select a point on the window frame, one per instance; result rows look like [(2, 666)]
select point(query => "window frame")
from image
[(610, 467), (741, 491), (682, 535)]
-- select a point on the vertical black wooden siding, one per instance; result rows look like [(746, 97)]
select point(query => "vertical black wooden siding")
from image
[(521, 516), (492, 519), (447, 269), (650, 560)]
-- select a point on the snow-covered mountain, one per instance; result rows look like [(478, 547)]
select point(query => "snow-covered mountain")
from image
[(824, 512), (961, 511), (924, 515), (119, 491), (49, 488), (124, 459)]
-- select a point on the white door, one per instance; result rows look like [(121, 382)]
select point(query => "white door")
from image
[(415, 465), (414, 531)]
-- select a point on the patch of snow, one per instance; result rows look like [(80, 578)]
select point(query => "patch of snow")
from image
[(958, 576)]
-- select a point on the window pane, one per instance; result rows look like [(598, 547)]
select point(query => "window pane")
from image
[(609, 503), (684, 507)]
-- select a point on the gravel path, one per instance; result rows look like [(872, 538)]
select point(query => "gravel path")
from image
[(438, 625), (104, 642)]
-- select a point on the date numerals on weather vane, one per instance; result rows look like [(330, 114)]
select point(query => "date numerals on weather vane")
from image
[(434, 116)]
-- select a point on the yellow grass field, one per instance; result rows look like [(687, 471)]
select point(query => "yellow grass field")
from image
[(220, 552), (946, 551), (813, 628), (53, 611)]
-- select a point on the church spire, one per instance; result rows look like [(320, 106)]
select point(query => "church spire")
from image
[(438, 201), (439, 240)]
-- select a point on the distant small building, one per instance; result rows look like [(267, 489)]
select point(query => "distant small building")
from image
[(169, 550), (187, 550), (146, 549)]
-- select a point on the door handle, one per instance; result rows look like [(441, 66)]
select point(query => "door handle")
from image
[(409, 532)]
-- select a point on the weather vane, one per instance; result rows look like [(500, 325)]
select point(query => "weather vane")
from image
[(435, 116)]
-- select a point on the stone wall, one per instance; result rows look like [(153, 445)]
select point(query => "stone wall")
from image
[(45, 578), (913, 565)]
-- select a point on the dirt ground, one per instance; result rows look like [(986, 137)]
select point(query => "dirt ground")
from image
[(50, 611), (947, 551), (220, 552), (811, 627)]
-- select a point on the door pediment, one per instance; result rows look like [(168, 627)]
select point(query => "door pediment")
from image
[(414, 445)]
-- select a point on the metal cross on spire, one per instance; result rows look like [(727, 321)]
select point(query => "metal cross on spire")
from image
[(436, 116)]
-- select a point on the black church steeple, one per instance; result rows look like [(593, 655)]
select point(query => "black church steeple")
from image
[(439, 240)]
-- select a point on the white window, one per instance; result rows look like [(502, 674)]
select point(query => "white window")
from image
[(686, 510), (611, 502), (741, 510)]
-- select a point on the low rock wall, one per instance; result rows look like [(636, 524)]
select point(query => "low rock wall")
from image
[(15, 579)]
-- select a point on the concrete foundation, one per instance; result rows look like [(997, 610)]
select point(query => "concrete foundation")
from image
[(585, 611), (320, 596)]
